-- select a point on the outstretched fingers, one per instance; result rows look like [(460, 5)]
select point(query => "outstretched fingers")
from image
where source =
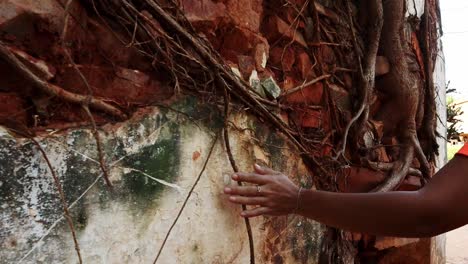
[(250, 177), (248, 200), (258, 211), (242, 190), (264, 170)]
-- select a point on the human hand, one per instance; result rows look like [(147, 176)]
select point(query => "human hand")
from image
[(274, 193)]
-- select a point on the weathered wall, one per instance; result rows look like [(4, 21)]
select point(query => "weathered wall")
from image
[(438, 243), (155, 158)]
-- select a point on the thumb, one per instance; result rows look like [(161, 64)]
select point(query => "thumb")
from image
[(263, 170)]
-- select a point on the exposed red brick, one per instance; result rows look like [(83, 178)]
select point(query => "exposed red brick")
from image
[(36, 25), (245, 13), (310, 94), (281, 57), (241, 41), (121, 85), (205, 15), (289, 14), (105, 43), (311, 118), (12, 109), (304, 65), (275, 28)]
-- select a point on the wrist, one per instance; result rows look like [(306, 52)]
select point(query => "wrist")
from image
[(304, 198), (298, 200)]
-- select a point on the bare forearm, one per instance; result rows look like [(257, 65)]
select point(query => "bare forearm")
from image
[(404, 214), (440, 206), (437, 208)]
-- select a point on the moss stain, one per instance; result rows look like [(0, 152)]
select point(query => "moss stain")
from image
[(160, 160), (206, 114), (271, 143)]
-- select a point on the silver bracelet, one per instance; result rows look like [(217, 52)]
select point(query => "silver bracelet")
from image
[(298, 200)]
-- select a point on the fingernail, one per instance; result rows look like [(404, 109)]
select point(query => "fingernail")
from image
[(232, 198), (242, 214), (257, 166), (227, 190), (235, 176), (227, 179)]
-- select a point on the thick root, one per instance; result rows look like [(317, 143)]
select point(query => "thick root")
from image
[(54, 90), (403, 91), (367, 71), (399, 172)]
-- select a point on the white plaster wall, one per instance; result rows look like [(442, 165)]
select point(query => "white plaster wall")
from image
[(118, 229)]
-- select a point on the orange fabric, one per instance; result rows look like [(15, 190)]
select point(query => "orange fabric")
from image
[(464, 150)]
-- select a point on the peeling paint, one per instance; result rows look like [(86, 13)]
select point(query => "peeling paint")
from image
[(152, 168)]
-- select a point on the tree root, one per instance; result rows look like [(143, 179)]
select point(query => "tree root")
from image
[(89, 97), (176, 36), (97, 138), (54, 90), (186, 199), (399, 172), (430, 50), (404, 90), (389, 167), (66, 213), (305, 84), (425, 166), (236, 169), (24, 132), (402, 167), (367, 73)]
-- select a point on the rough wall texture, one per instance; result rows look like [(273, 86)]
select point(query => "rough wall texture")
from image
[(155, 158)]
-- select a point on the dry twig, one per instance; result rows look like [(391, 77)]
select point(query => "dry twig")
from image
[(186, 199)]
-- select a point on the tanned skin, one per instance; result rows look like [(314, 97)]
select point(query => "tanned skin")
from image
[(440, 206)]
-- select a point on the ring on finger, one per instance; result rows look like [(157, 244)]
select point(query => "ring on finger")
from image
[(258, 189)]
